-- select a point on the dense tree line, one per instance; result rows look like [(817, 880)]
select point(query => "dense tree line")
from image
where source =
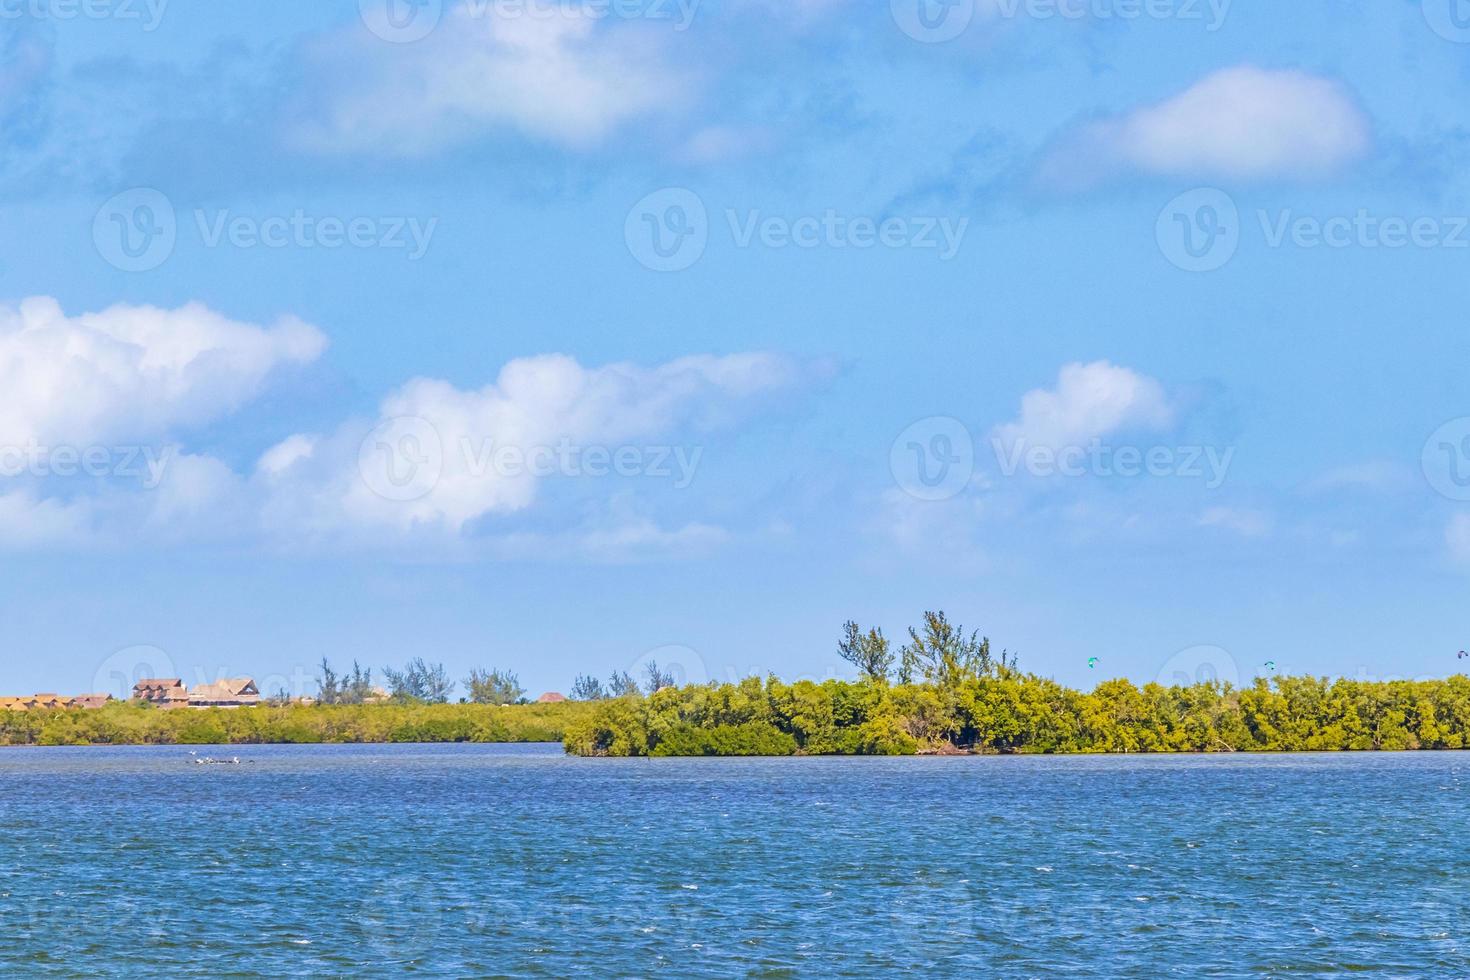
[(945, 690), (1015, 712)]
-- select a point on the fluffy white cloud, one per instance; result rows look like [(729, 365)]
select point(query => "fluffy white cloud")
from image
[(565, 76), (439, 457), (28, 520), (1090, 401), (1238, 123), (132, 372)]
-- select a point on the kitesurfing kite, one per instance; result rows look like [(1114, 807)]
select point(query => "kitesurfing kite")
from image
[(1091, 663)]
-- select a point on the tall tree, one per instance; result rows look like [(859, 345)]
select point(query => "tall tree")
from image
[(942, 654), (587, 688), (357, 687), (327, 689), (419, 681), (621, 684), (868, 652), (494, 686), (657, 679)]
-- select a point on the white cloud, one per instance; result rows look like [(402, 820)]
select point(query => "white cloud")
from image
[(1457, 538), (564, 76), (285, 454), (1247, 523), (439, 457), (140, 372), (132, 372), (1237, 123), (1090, 401), (27, 520)]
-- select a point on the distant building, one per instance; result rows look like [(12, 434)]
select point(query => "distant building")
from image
[(91, 702), (166, 692), (551, 697), (12, 704), (46, 702), (233, 692)]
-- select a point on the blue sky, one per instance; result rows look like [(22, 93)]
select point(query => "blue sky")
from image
[(563, 336)]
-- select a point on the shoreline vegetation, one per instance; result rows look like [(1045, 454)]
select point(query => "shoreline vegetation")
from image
[(943, 692)]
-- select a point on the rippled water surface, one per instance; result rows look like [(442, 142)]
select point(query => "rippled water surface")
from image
[(475, 861)]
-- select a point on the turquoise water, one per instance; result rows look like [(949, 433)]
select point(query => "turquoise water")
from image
[(478, 861)]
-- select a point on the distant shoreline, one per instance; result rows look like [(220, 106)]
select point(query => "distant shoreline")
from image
[(127, 723), (1003, 713)]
